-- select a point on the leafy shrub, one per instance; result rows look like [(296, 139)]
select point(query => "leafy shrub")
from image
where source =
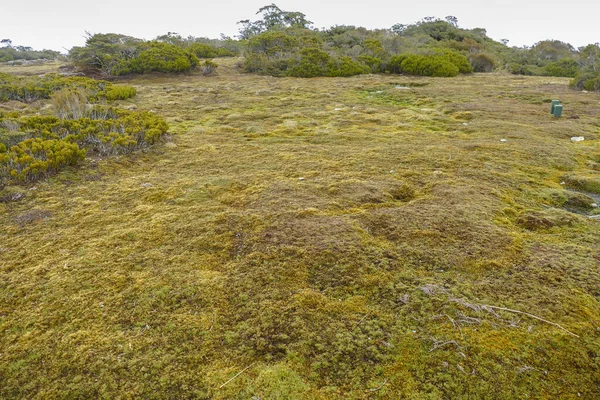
[(481, 62), (37, 158), (346, 66), (313, 62), (202, 50), (114, 54), (158, 57), (567, 67), (464, 67), (415, 64), (119, 92), (586, 81), (56, 142)]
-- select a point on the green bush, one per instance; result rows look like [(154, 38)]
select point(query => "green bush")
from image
[(567, 67), (415, 64), (159, 57), (202, 50), (313, 62), (464, 67), (346, 66), (586, 81), (37, 158), (119, 92), (49, 143), (481, 62)]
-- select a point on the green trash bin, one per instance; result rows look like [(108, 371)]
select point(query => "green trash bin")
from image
[(558, 109), (554, 104)]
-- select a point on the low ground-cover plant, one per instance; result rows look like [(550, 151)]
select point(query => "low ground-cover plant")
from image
[(30, 89), (52, 143)]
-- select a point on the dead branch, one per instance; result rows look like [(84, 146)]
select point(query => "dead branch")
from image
[(485, 306), (438, 345), (238, 374), (380, 387)]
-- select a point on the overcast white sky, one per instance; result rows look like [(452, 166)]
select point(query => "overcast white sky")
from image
[(62, 24)]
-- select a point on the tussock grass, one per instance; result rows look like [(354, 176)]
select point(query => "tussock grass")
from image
[(333, 240)]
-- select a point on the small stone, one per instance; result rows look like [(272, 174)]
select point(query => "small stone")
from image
[(563, 183), (392, 171), (146, 185), (465, 124), (577, 139), (337, 109), (437, 172), (503, 140), (301, 178)]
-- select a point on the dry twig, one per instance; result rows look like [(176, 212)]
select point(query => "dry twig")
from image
[(238, 374)]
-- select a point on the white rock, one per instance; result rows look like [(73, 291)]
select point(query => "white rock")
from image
[(146, 185), (503, 140), (577, 139), (301, 179)]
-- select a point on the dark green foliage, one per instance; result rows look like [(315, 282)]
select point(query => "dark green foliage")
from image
[(158, 57), (114, 54), (203, 50), (481, 62), (586, 81), (415, 64), (566, 67), (461, 62)]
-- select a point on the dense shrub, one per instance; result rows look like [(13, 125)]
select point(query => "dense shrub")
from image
[(313, 62), (11, 53), (203, 50), (461, 62), (30, 89), (52, 142), (481, 62), (346, 66), (567, 67), (415, 64), (119, 92), (586, 81), (114, 54), (158, 57), (37, 158)]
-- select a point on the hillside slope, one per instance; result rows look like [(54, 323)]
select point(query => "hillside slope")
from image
[(327, 238)]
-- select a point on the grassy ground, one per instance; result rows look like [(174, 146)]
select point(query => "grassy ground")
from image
[(327, 238)]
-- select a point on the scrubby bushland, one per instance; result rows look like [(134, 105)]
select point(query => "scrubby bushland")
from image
[(586, 81), (11, 53), (30, 89), (203, 50), (52, 143), (114, 54)]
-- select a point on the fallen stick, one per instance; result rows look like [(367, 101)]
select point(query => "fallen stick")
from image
[(529, 315), (380, 387), (238, 374)]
